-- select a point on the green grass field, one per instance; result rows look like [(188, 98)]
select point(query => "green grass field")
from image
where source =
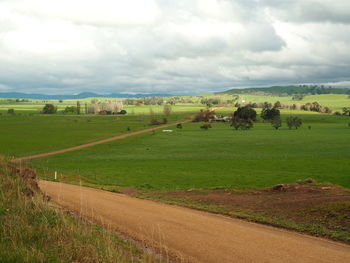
[(36, 106), (188, 158), (24, 135), (219, 157), (334, 101)]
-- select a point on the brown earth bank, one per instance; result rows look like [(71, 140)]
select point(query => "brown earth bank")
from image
[(193, 236), (318, 209)]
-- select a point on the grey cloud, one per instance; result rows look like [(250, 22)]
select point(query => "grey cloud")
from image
[(194, 46), (304, 11)]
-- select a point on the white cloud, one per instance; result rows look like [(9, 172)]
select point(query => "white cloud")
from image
[(99, 13), (170, 46)]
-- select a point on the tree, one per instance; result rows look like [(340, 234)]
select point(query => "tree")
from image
[(276, 122), (78, 107), (242, 124), (266, 105), (245, 113), (346, 111), (294, 121), (167, 109), (298, 97), (11, 111), (269, 114), (277, 104), (70, 109), (49, 109)]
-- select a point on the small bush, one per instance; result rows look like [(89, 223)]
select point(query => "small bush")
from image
[(11, 111), (70, 109), (49, 109)]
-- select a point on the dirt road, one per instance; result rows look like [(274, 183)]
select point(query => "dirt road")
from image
[(41, 155), (191, 235)]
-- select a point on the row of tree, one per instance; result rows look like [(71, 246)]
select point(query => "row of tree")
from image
[(245, 117)]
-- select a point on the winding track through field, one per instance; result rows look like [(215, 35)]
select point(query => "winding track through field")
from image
[(192, 235), (41, 155)]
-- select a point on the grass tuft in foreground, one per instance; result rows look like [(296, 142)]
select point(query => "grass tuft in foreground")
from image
[(32, 231)]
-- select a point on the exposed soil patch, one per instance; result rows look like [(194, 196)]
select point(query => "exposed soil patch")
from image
[(306, 203), (130, 191)]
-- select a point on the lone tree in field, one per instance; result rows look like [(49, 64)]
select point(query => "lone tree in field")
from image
[(11, 111), (245, 113), (294, 121), (276, 122), (49, 109), (167, 109), (269, 114)]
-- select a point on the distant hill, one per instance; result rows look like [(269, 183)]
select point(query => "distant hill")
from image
[(288, 90), (84, 95)]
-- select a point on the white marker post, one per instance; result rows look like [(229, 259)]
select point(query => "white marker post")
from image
[(55, 175)]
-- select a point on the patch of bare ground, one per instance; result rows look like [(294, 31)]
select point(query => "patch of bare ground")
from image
[(129, 191), (319, 209)]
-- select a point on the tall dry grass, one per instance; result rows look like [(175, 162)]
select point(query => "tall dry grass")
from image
[(33, 231)]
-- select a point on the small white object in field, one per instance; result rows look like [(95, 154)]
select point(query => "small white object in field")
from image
[(243, 101), (167, 131), (55, 175)]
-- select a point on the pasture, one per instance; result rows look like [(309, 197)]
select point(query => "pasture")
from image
[(335, 101), (219, 157), (23, 135), (35, 106)]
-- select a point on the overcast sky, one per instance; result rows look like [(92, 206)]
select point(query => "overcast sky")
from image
[(171, 46)]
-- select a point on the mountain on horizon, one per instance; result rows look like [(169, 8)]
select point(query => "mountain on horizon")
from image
[(83, 95), (288, 90)]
